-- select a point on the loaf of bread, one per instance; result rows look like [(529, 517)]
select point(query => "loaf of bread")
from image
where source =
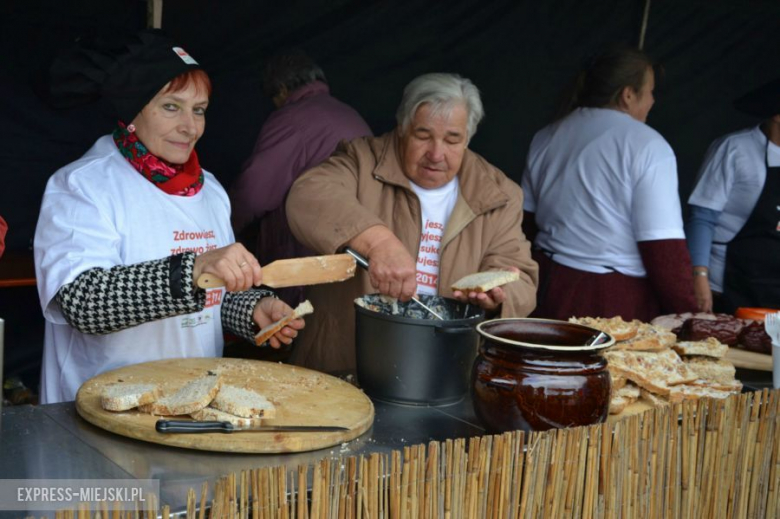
[(484, 281), (709, 347), (619, 329), (208, 414), (191, 397), (123, 396), (243, 402), (269, 331)]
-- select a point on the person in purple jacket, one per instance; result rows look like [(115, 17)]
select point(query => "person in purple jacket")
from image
[(302, 132)]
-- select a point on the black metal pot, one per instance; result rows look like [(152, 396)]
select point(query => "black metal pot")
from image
[(416, 360)]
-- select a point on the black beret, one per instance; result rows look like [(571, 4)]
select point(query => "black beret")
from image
[(128, 71), (762, 102)]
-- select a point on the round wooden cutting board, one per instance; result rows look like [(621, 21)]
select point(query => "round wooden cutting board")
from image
[(301, 397)]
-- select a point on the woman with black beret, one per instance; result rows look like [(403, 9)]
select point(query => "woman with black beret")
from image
[(125, 230), (734, 225)]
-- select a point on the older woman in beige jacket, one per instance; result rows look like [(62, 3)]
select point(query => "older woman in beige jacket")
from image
[(370, 196)]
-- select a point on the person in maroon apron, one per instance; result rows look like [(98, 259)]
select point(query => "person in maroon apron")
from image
[(752, 275)]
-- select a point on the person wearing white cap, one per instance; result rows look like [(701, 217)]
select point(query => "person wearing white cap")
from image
[(125, 230)]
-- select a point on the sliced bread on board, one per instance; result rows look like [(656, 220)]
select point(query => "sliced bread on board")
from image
[(243, 402), (123, 396), (269, 331), (191, 397), (484, 281), (208, 414)]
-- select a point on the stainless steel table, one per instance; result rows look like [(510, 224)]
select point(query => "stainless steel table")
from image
[(53, 442)]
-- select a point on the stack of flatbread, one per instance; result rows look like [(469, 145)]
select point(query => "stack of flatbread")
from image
[(203, 398), (647, 362)]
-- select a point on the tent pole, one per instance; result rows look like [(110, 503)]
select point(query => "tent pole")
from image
[(154, 14), (642, 32)]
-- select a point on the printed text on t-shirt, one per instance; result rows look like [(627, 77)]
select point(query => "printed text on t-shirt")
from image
[(184, 235), (428, 257)]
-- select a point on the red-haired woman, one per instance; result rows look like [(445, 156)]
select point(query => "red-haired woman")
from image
[(125, 230)]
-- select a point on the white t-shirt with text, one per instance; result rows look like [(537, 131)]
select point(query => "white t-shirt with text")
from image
[(436, 206), (100, 212)]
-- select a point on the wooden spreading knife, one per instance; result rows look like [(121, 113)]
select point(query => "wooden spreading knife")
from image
[(187, 426), (312, 270)]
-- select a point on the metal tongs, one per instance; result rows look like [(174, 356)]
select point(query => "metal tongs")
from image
[(363, 262)]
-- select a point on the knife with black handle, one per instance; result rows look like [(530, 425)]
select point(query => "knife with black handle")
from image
[(187, 426)]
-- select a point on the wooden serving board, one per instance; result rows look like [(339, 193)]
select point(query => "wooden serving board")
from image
[(749, 359), (301, 397)]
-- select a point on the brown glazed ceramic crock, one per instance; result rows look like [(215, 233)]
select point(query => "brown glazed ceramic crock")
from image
[(539, 374)]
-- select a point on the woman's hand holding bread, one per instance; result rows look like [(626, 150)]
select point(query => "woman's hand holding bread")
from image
[(269, 310)]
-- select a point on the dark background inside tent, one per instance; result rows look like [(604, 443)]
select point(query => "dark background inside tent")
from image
[(519, 53)]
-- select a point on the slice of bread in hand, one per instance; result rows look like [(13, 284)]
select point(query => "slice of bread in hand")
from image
[(208, 414), (484, 281), (711, 347), (243, 402), (123, 396), (191, 397), (619, 329), (269, 331)]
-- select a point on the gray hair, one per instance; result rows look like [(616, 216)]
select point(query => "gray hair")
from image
[(290, 69), (443, 92)]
